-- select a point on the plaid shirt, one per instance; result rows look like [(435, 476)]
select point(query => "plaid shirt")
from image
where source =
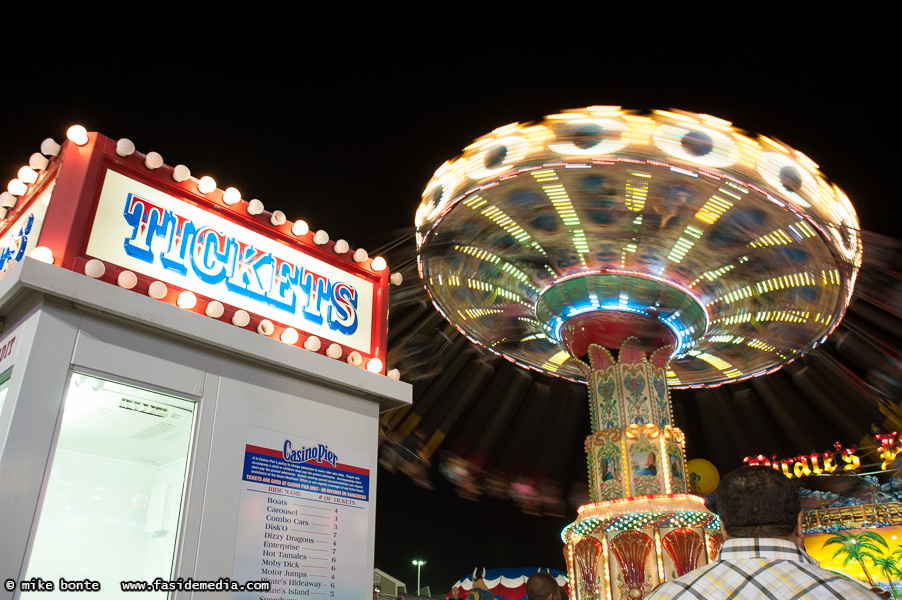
[(757, 568)]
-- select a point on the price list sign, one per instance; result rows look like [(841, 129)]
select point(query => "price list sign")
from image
[(303, 519)]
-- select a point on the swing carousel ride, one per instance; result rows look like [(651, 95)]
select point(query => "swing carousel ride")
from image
[(637, 253)]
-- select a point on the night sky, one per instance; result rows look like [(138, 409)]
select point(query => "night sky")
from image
[(345, 133)]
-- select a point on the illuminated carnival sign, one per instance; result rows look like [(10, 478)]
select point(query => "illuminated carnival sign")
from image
[(844, 459), (148, 231)]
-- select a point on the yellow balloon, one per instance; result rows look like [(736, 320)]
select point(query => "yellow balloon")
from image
[(703, 476)]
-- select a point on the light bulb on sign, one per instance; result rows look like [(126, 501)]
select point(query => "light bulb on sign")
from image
[(95, 268), (125, 147), (49, 147), (43, 254), (7, 200), (181, 173), (374, 365), (313, 343), (206, 184), (214, 309), (241, 318), (187, 300), (127, 280), (290, 336), (254, 207), (38, 161), (300, 228), (16, 187), (157, 290), (378, 264), (231, 196), (27, 175), (77, 135), (153, 160)]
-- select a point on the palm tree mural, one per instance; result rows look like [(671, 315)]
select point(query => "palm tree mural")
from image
[(857, 547), (890, 568)]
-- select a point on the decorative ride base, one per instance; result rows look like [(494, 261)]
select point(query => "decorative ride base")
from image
[(622, 549)]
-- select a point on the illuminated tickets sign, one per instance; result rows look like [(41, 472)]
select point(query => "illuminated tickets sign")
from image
[(845, 459), (147, 231)]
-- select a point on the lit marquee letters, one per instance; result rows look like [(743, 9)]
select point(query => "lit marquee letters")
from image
[(215, 258)]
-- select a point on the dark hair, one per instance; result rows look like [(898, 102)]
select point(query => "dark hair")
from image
[(540, 585), (758, 502)]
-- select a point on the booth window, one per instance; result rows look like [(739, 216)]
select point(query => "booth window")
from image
[(4, 388), (113, 501)]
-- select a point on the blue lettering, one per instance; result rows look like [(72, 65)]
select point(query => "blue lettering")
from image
[(146, 220), (173, 258), (245, 277), (18, 243), (285, 276), (316, 287), (343, 309), (326, 455), (319, 454), (192, 249), (210, 255)]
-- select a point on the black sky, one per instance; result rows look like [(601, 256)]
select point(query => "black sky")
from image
[(344, 129)]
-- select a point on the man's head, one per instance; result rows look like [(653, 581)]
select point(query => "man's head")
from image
[(758, 502), (542, 586)]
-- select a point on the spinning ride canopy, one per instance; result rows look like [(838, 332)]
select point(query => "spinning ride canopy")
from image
[(676, 228)]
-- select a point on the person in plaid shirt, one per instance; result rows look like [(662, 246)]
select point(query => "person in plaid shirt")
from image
[(763, 556)]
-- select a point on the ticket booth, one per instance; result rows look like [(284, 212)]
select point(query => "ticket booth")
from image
[(189, 387)]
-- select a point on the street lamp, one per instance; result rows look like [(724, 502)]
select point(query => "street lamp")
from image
[(419, 563)]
